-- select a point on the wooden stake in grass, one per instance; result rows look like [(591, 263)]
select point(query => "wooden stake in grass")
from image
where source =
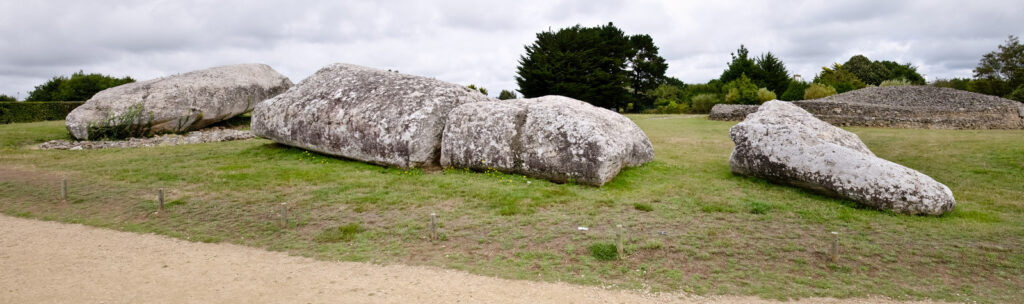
[(284, 215), (160, 198), (433, 226), (64, 190), (835, 247), (618, 239)]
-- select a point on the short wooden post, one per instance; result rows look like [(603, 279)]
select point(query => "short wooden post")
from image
[(284, 215), (64, 190), (618, 239), (433, 226), (160, 198), (835, 247)]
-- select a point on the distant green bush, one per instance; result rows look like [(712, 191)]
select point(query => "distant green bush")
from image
[(817, 90), (79, 86), (839, 78), (673, 108), (31, 111), (702, 103), (795, 91), (953, 83), (4, 97), (741, 91), (1017, 94), (506, 94), (895, 82), (763, 94)]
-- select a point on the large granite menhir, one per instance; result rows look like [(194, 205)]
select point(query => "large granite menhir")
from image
[(924, 107), (179, 103), (552, 137), (785, 144), (365, 114)]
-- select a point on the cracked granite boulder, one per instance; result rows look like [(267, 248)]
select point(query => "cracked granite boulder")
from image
[(785, 144), (177, 103), (552, 137), (365, 114)]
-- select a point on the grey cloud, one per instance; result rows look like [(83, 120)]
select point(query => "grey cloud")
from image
[(480, 41)]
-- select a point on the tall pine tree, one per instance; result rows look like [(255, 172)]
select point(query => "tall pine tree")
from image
[(772, 74)]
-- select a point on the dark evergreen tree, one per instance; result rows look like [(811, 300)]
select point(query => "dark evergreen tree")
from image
[(741, 64), (795, 91), (4, 97), (772, 73), (599, 65)]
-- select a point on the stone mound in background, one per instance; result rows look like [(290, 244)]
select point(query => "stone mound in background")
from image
[(904, 107)]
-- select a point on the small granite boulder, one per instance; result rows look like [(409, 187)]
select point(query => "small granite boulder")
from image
[(737, 112), (785, 144), (551, 137), (366, 114), (176, 103)]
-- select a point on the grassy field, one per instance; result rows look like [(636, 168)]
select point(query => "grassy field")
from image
[(689, 224)]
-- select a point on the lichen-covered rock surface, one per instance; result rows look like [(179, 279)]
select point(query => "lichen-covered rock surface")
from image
[(785, 144), (552, 137), (178, 103), (364, 114), (925, 107)]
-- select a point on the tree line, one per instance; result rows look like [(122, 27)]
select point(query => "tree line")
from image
[(608, 68)]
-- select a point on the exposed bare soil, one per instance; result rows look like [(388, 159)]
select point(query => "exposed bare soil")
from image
[(46, 262)]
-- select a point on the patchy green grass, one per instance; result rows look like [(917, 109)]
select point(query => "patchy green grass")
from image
[(706, 231)]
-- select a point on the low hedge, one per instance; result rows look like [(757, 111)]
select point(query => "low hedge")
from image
[(30, 111)]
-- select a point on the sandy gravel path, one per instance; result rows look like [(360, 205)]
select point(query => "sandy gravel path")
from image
[(46, 262)]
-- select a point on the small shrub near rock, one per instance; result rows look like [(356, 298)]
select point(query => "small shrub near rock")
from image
[(604, 251), (895, 82), (643, 207), (702, 103), (763, 94)]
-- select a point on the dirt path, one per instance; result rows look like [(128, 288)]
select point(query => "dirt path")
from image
[(45, 262)]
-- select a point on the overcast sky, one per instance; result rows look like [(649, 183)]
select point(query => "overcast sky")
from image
[(480, 41)]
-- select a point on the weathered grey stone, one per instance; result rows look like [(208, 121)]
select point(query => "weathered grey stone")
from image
[(182, 102), (737, 112), (906, 107), (365, 114), (785, 144), (551, 137)]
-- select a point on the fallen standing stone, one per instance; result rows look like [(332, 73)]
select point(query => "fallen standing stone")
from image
[(176, 103), (365, 114), (785, 144)]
